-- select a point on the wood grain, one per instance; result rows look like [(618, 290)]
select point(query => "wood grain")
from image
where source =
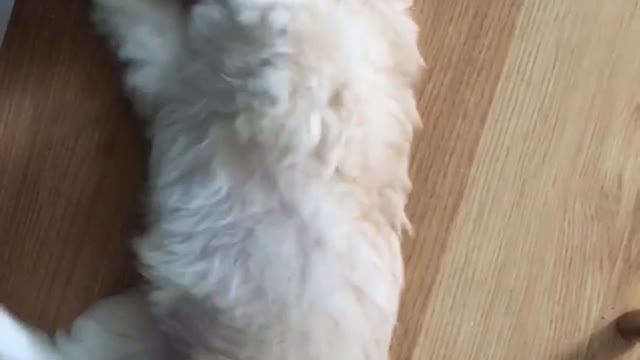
[(465, 44), (527, 173), (544, 249), (71, 166)]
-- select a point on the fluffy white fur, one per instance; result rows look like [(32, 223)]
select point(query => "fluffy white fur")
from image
[(280, 134)]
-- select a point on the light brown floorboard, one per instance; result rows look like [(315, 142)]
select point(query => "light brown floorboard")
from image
[(544, 249), (465, 45)]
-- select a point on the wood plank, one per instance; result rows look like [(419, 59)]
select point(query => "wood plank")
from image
[(544, 251), (465, 45), (71, 166)]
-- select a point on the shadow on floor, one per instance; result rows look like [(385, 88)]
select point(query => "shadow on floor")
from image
[(604, 344)]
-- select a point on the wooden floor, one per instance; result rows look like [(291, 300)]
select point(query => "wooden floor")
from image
[(527, 172)]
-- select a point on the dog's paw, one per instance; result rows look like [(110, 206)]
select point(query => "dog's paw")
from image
[(144, 31), (119, 17), (107, 16)]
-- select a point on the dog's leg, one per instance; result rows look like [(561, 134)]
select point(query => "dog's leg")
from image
[(148, 36), (120, 327), (117, 328)]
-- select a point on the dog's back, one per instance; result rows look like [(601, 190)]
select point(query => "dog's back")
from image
[(280, 134)]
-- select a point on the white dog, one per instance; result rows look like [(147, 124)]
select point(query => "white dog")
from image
[(281, 133)]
